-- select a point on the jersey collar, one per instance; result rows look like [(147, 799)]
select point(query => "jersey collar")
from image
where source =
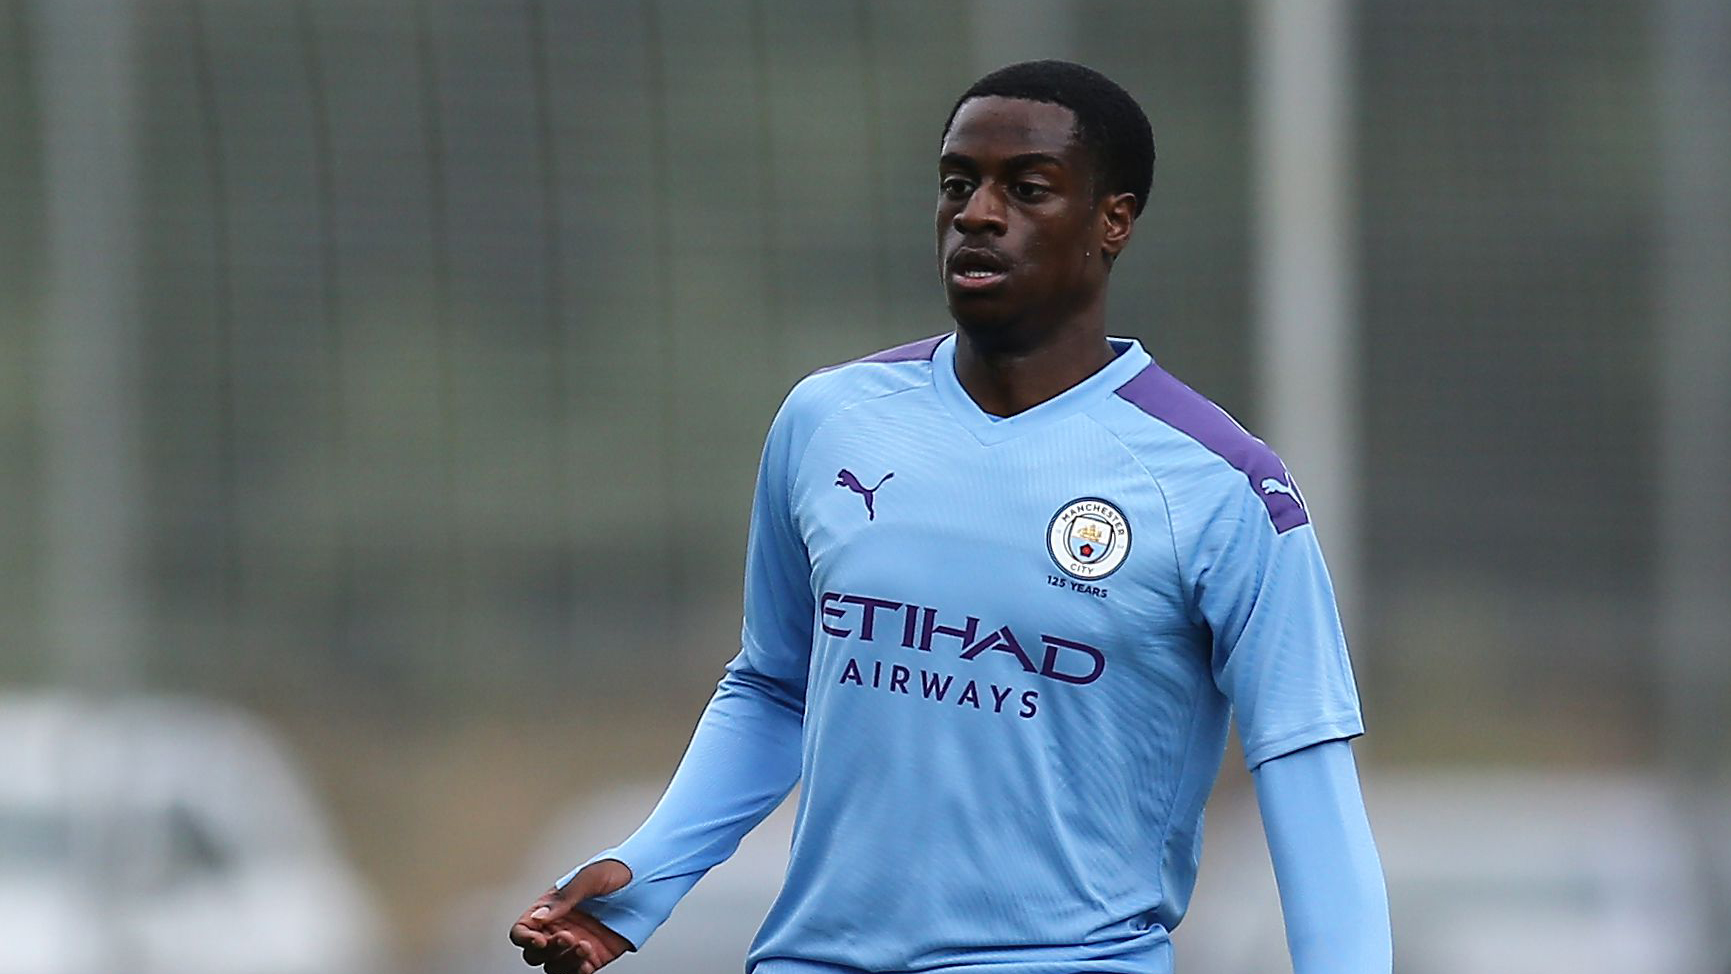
[(989, 429)]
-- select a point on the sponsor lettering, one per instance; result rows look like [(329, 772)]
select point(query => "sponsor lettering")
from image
[(966, 638), (936, 688), (918, 627)]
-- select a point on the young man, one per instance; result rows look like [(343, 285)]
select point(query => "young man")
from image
[(1003, 588)]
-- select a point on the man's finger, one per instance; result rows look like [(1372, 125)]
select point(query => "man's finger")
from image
[(540, 953), (565, 953), (527, 937), (555, 904)]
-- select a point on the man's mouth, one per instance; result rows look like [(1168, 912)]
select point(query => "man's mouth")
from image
[(975, 269)]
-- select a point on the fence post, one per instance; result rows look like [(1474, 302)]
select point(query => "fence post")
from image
[(89, 344), (1305, 275)]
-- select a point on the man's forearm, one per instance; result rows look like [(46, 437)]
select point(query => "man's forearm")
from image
[(742, 761), (1325, 863)]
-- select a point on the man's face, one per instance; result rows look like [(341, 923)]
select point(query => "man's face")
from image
[(1018, 223)]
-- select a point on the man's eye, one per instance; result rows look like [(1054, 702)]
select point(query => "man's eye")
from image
[(1030, 191), (955, 187)]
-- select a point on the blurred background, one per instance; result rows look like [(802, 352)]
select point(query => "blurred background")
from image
[(382, 382)]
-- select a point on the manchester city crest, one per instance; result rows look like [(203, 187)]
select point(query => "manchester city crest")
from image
[(1089, 538)]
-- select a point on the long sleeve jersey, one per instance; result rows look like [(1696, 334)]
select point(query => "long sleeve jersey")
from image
[(1000, 656)]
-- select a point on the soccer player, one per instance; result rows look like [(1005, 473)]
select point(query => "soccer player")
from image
[(1003, 589)]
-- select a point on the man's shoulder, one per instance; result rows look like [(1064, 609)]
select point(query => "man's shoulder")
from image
[(1191, 444), (882, 373), (918, 351)]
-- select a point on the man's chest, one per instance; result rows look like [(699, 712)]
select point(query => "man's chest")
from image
[(1060, 533)]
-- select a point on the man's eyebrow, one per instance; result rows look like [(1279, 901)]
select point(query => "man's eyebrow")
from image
[(1023, 161), (1028, 159)]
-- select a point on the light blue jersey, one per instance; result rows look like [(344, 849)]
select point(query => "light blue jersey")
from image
[(1000, 656)]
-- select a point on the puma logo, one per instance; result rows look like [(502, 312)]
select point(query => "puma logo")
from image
[(1272, 486), (845, 478)]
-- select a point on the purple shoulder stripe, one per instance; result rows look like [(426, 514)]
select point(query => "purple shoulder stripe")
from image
[(920, 351), (1157, 393)]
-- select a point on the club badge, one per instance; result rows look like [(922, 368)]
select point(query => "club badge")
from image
[(1088, 538)]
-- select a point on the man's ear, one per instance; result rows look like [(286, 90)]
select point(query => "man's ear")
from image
[(1118, 216)]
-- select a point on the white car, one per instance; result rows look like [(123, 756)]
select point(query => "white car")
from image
[(710, 929), (164, 836), (1488, 872)]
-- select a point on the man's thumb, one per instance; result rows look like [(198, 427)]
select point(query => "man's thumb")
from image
[(595, 879)]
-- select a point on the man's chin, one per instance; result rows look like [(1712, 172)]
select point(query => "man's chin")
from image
[(977, 316)]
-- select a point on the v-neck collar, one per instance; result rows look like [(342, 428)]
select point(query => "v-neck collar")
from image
[(989, 429)]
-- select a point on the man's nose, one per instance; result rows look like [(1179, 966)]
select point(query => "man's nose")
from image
[(983, 213)]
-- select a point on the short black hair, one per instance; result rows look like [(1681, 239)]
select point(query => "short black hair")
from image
[(1110, 123)]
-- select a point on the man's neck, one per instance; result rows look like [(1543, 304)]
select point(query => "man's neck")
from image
[(1004, 381)]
